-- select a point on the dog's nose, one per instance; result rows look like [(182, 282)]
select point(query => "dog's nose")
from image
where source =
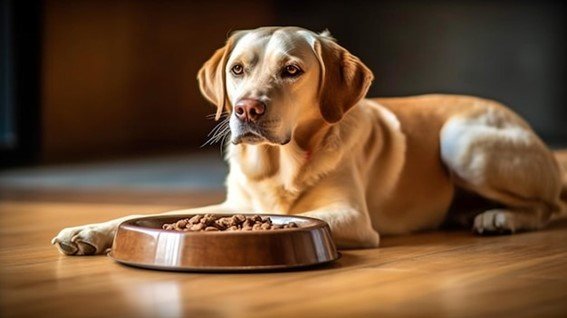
[(248, 109)]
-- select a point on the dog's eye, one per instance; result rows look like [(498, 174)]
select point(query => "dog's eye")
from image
[(291, 71), (237, 69)]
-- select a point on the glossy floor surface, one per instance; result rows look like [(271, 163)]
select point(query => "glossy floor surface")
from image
[(440, 273)]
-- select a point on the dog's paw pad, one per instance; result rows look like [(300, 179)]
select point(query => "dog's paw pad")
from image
[(85, 240), (495, 222), (86, 248), (65, 248)]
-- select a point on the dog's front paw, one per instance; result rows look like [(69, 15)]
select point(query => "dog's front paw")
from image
[(495, 221), (83, 240)]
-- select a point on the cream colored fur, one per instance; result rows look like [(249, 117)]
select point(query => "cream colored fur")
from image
[(365, 166)]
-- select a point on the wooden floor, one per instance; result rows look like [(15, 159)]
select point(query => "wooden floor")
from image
[(429, 274)]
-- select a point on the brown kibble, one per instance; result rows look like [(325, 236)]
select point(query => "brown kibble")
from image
[(220, 227), (232, 220), (181, 223), (197, 227), (237, 222), (195, 219), (265, 226)]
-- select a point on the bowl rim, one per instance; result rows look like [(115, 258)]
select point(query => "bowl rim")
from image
[(130, 225)]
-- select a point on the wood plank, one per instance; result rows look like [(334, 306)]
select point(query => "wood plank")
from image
[(438, 273)]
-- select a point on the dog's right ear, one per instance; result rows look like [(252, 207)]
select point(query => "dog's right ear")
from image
[(211, 76)]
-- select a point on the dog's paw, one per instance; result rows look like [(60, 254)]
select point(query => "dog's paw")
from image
[(83, 240), (495, 221)]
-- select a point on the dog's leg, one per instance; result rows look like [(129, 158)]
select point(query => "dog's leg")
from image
[(350, 228), (497, 157), (97, 238)]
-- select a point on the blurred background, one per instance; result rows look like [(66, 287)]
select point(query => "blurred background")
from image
[(115, 81)]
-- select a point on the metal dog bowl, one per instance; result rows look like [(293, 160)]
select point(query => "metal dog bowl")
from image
[(142, 242)]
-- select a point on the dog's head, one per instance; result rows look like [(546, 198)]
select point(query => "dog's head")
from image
[(271, 80)]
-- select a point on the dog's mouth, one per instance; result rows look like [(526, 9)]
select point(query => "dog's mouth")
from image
[(256, 135), (248, 138)]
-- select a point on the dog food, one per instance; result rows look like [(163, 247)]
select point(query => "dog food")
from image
[(238, 222)]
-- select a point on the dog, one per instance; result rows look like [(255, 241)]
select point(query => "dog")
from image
[(304, 140)]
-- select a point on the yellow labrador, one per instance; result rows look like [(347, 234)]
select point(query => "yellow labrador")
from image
[(305, 141)]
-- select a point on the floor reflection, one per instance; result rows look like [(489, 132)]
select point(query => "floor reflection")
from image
[(153, 299)]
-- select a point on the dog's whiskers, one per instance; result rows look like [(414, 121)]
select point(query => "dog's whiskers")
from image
[(214, 115), (216, 129), (221, 135), (219, 132)]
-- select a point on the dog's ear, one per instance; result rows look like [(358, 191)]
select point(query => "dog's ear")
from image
[(344, 79), (211, 76)]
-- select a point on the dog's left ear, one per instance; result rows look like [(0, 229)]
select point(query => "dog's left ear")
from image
[(344, 79), (211, 76)]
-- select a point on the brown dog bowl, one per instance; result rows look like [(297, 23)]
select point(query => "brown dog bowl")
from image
[(142, 242)]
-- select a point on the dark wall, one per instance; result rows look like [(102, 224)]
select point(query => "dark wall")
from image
[(511, 51), (20, 54), (119, 77)]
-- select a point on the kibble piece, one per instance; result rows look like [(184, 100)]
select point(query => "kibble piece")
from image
[(197, 227), (265, 226), (238, 222), (195, 219), (181, 223)]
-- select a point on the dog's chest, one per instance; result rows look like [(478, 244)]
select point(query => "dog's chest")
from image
[(269, 196)]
